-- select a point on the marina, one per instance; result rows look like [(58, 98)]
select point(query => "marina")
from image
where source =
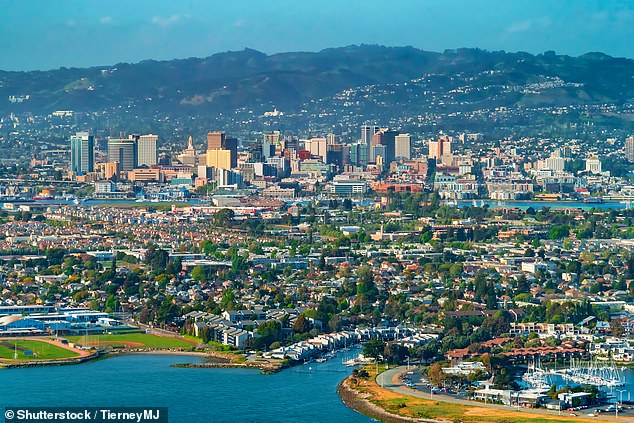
[(595, 373)]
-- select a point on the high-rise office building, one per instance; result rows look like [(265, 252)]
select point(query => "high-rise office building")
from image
[(359, 154), (273, 137), (317, 147), (219, 159), (629, 149), (124, 152), (82, 153), (146, 150), (219, 141), (402, 146), (384, 137), (215, 140), (367, 132), (231, 144), (439, 149)]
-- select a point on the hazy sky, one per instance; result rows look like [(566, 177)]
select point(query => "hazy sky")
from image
[(44, 34)]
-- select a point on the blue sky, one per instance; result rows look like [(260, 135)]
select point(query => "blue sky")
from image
[(45, 34)]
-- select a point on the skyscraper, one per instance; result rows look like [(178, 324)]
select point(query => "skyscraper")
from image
[(629, 149), (231, 144), (359, 153), (367, 132), (440, 148), (219, 141), (215, 140), (384, 137), (317, 147), (219, 158), (146, 150), (124, 152), (402, 146), (82, 153)]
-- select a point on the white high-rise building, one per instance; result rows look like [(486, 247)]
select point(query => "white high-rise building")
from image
[(146, 147), (402, 146), (555, 163)]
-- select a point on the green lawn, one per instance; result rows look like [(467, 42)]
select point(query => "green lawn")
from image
[(41, 350), (133, 340)]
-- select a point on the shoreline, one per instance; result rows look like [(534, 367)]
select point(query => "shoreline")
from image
[(360, 403), (60, 362), (371, 400), (213, 360)]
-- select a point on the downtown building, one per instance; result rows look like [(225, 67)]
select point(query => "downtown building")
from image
[(629, 149), (124, 152), (82, 153), (133, 151)]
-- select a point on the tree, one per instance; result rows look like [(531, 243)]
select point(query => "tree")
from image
[(167, 311), (204, 334), (224, 217), (456, 270), (269, 332), (435, 374), (111, 304), (302, 325), (394, 353), (366, 286), (157, 259), (616, 326), (55, 255), (228, 301), (559, 232), (200, 273), (374, 348)]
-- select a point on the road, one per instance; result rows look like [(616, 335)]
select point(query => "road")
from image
[(390, 379)]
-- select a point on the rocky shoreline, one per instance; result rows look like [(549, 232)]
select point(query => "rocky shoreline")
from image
[(222, 362), (61, 362), (361, 404)]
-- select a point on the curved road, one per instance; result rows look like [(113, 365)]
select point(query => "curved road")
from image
[(389, 379)]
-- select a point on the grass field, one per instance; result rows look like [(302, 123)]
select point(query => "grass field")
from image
[(41, 350), (132, 341), (414, 407)]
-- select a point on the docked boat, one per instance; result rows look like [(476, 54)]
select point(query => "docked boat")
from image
[(593, 200)]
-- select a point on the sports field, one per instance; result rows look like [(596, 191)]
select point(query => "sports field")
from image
[(132, 341), (39, 350)]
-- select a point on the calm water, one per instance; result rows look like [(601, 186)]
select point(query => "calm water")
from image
[(192, 395), (538, 205), (628, 389)]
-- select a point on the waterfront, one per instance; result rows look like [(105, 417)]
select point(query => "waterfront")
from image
[(300, 394), (538, 205)]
